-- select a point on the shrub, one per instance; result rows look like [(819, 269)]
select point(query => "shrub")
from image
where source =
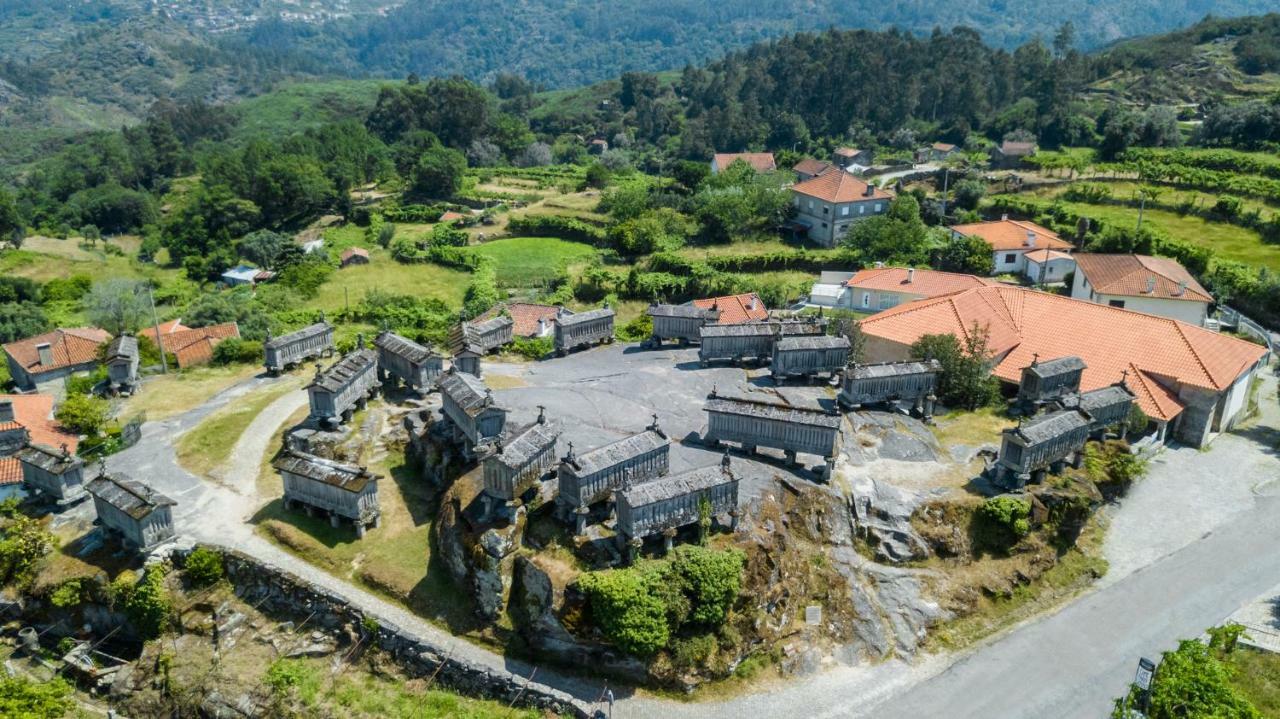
[(204, 567), (482, 293), (1001, 521), (627, 610), (23, 543), (46, 699), (83, 414), (1112, 467), (237, 351), (562, 226), (966, 379), (147, 603), (533, 348), (692, 652), (637, 330), (68, 594), (710, 579)]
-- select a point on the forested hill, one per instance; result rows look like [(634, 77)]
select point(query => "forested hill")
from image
[(562, 43)]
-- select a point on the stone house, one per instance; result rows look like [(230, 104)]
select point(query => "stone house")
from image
[(1010, 155), (1155, 285), (827, 205), (26, 419), (852, 159), (809, 168), (1010, 241), (40, 363), (1191, 382), (937, 152), (354, 256), (734, 309), (190, 346)]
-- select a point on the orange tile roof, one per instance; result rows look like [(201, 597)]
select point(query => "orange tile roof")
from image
[(1131, 275), (847, 151), (759, 161), (1012, 234), (450, 216), (10, 471), (926, 283), (1022, 323), (810, 166), (524, 316), (192, 347), (71, 346), (35, 412), (736, 309), (354, 252), (943, 146), (840, 187), (1046, 254)]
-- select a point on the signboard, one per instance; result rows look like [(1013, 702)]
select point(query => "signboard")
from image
[(1146, 670)]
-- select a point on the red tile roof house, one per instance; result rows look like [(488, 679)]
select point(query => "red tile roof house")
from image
[(735, 309), (882, 288), (828, 204), (1155, 285), (1011, 240), (191, 347), (1009, 155), (43, 361), (759, 161), (809, 168), (26, 418), (1193, 383), (527, 319)]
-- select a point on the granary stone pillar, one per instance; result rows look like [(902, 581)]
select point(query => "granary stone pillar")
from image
[(828, 469), (929, 401), (733, 519), (668, 539), (633, 549), (359, 529), (790, 455), (1057, 466), (311, 511), (1022, 478), (1077, 460), (580, 520)]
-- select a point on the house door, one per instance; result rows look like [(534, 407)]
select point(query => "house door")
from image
[(866, 300)]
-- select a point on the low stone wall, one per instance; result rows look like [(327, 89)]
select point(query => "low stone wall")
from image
[(275, 591)]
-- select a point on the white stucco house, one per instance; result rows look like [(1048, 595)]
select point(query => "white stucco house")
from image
[(1154, 285), (1011, 240)]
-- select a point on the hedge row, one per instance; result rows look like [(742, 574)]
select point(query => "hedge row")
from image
[(566, 228)]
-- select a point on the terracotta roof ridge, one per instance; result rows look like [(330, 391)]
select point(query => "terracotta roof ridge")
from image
[(1195, 354)]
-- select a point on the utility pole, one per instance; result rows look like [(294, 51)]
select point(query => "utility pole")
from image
[(164, 361), (946, 182), (1142, 206)]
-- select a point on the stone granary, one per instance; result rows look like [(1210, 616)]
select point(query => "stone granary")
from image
[(55, 473), (679, 322), (595, 476), (281, 353), (336, 393), (1042, 443), (519, 464), (139, 515), (809, 355), (340, 490), (889, 382), (665, 505), (751, 340), (469, 341), (122, 361), (467, 404), (583, 329), (753, 423), (1049, 381), (403, 360), (1106, 406)]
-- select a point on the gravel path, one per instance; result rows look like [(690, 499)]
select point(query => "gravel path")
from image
[(240, 471)]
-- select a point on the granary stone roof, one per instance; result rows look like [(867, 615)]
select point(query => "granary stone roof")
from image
[(122, 347), (892, 369), (1055, 367), (50, 459), (128, 495), (773, 411), (1105, 397), (517, 451), (308, 331), (348, 477), (403, 347), (677, 485), (812, 342), (468, 336), (617, 452), (588, 316), (342, 371), (467, 391), (688, 311), (1047, 426), (758, 329)]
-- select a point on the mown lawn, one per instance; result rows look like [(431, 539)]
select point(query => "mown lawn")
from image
[(1229, 242), (385, 274), (50, 259), (209, 443), (533, 261), (164, 396), (1257, 676)]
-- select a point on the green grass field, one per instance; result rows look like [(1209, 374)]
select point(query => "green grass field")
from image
[(299, 106), (1257, 676), (1228, 241), (533, 261), (383, 273)]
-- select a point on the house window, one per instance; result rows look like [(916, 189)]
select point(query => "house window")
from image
[(825, 209), (842, 228), (862, 209), (797, 201), (1011, 258), (844, 210), (1116, 303), (887, 301), (866, 299), (879, 206), (810, 204)]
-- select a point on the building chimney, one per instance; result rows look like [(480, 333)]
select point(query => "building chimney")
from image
[(911, 275), (1031, 238), (879, 265), (1004, 217), (1182, 288), (542, 414), (542, 327), (871, 190), (1151, 285), (6, 411), (751, 303), (45, 350)]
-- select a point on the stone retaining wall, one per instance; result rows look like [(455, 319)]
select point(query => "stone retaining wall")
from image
[(276, 592)]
